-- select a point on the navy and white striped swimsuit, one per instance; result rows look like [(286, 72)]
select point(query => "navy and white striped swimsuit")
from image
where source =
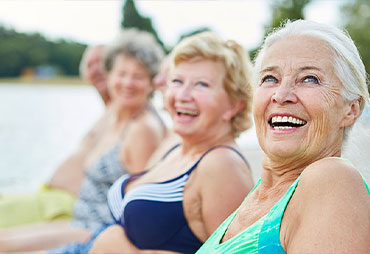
[(152, 214)]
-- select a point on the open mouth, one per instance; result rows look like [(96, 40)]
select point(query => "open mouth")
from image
[(185, 112), (286, 122)]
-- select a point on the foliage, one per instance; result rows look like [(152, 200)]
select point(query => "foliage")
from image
[(286, 9), (21, 51), (356, 20), (193, 32), (132, 18), (281, 11)]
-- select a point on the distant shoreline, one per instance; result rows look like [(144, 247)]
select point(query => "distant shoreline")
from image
[(62, 80)]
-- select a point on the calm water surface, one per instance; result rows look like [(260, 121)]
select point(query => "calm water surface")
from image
[(39, 126)]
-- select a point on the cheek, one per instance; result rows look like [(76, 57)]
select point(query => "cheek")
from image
[(325, 113), (169, 99), (261, 99)]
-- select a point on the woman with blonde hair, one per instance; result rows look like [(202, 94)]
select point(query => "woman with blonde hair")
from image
[(181, 200)]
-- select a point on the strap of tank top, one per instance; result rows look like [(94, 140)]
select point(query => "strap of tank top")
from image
[(213, 148), (169, 151), (269, 238)]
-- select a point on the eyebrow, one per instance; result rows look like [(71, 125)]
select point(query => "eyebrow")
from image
[(272, 68)]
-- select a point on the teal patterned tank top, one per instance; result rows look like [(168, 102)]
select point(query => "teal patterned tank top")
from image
[(262, 237)]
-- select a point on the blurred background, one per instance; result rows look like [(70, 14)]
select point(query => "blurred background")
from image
[(45, 108)]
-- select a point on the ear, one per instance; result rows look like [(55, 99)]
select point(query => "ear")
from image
[(352, 111), (228, 115)]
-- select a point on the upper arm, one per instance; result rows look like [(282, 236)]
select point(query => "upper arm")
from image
[(225, 180), (334, 211)]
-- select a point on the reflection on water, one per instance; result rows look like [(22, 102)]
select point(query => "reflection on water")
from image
[(39, 126)]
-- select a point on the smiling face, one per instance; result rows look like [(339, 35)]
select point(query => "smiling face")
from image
[(197, 101), (129, 82), (298, 107)]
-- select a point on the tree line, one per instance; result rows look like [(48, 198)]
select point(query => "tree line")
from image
[(19, 51)]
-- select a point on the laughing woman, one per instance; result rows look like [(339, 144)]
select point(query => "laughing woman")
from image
[(178, 203), (311, 90), (129, 133)]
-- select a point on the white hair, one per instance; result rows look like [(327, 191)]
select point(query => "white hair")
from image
[(348, 65)]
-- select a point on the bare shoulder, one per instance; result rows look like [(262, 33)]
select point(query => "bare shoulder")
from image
[(224, 165), (221, 160), (146, 127), (329, 211), (331, 173)]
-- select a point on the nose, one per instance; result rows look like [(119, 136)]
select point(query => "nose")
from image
[(284, 93), (127, 81), (184, 93)]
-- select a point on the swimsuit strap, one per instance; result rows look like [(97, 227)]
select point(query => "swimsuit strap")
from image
[(169, 151), (269, 237), (213, 148)]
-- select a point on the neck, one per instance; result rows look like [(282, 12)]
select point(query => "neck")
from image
[(199, 146), (124, 114), (278, 170)]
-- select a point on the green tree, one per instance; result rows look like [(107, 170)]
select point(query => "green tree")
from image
[(286, 9), (356, 20), (132, 18), (19, 51), (281, 11)]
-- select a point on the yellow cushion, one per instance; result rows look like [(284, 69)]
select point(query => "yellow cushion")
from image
[(45, 205)]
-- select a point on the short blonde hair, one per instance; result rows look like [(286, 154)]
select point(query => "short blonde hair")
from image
[(238, 68)]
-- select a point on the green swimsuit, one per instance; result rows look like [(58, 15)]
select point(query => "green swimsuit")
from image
[(263, 236)]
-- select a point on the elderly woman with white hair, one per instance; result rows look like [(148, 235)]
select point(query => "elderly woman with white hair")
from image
[(311, 89)]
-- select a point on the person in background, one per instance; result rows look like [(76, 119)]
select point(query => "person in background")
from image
[(179, 202), (311, 88), (55, 199), (130, 131), (92, 70), (160, 82)]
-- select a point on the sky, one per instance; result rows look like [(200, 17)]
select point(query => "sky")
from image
[(98, 21)]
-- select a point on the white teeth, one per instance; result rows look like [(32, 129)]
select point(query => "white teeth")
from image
[(285, 119), (282, 127), (187, 112)]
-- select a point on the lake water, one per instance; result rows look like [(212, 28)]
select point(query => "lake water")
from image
[(41, 124)]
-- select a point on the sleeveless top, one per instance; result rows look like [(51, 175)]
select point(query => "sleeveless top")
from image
[(91, 210), (261, 237), (152, 214)]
